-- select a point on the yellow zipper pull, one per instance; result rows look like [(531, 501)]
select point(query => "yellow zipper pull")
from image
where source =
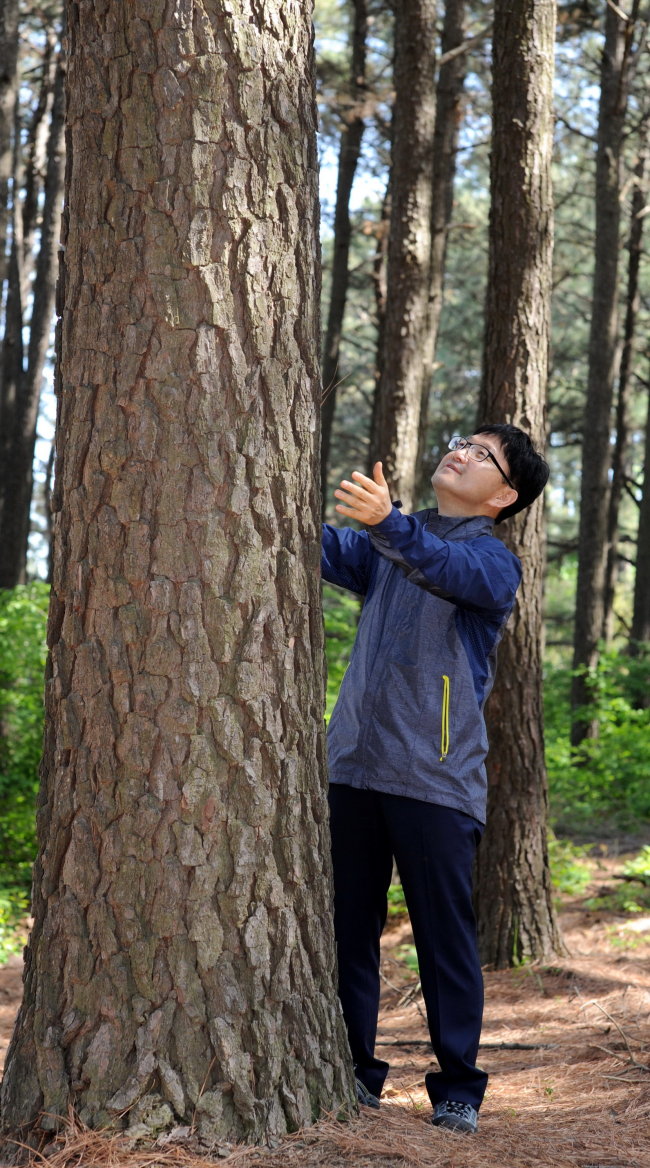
[(444, 730)]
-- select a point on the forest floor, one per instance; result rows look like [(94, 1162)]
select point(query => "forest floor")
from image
[(567, 1047)]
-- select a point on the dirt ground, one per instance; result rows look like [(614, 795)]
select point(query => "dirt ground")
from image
[(567, 1048)]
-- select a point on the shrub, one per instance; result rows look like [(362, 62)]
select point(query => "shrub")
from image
[(569, 872), (604, 781), (341, 611), (23, 618)]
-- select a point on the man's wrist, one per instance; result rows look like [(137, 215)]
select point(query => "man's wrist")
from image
[(390, 521)]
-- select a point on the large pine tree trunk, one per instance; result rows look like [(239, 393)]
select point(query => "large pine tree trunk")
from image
[(603, 360), (349, 153), (181, 965), (396, 428), (516, 918)]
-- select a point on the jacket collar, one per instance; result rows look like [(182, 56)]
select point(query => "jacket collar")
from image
[(456, 526)]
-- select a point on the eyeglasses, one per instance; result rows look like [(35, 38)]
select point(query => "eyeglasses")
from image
[(478, 454)]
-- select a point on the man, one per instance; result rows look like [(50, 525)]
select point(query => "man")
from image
[(407, 741)]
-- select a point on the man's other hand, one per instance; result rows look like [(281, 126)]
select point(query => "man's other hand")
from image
[(366, 500)]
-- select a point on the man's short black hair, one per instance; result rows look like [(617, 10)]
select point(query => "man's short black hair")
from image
[(528, 470)]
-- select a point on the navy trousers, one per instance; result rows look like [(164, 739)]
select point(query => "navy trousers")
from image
[(434, 849)]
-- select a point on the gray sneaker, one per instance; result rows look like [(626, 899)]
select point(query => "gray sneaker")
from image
[(455, 1116), (366, 1099)]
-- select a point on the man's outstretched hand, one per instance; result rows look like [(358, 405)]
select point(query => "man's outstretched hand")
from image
[(366, 500)]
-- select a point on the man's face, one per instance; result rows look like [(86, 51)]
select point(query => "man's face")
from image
[(459, 478)]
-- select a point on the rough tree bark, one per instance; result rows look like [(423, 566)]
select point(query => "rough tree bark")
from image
[(516, 918), (181, 965), (620, 455), (349, 153), (396, 430), (603, 361)]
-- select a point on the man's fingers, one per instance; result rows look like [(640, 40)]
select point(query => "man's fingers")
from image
[(363, 498), (355, 489), (363, 480), (378, 475)]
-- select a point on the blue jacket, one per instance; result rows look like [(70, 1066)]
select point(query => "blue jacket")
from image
[(409, 716)]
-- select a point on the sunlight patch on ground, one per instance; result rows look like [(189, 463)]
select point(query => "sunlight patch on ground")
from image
[(642, 925)]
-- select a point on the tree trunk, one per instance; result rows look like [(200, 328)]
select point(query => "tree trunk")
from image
[(181, 966), (349, 153), (16, 477), (12, 374), (35, 153), (449, 93), (380, 289), (516, 917), (603, 359), (640, 631), (8, 98), (620, 455), (397, 424)]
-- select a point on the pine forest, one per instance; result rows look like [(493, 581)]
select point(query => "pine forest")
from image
[(247, 248)]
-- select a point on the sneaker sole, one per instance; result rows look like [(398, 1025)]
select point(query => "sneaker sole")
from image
[(451, 1126)]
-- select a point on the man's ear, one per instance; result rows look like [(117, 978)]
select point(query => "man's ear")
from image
[(504, 497)]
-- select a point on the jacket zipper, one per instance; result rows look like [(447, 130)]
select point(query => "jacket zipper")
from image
[(444, 727)]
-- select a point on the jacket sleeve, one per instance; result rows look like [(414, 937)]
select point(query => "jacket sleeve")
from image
[(480, 574), (346, 558)]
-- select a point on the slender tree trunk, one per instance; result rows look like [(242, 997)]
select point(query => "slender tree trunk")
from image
[(516, 917), (603, 360), (16, 478), (47, 497), (449, 95), (12, 352), (397, 424), (12, 373), (8, 98), (619, 458), (349, 153), (640, 631), (181, 964), (35, 152), (380, 287)]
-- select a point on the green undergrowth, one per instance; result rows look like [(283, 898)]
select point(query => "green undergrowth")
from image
[(629, 891), (23, 618), (408, 955), (341, 612), (601, 787), (570, 871), (14, 911), (396, 902)]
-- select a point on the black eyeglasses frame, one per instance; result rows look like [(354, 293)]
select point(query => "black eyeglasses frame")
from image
[(488, 454)]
